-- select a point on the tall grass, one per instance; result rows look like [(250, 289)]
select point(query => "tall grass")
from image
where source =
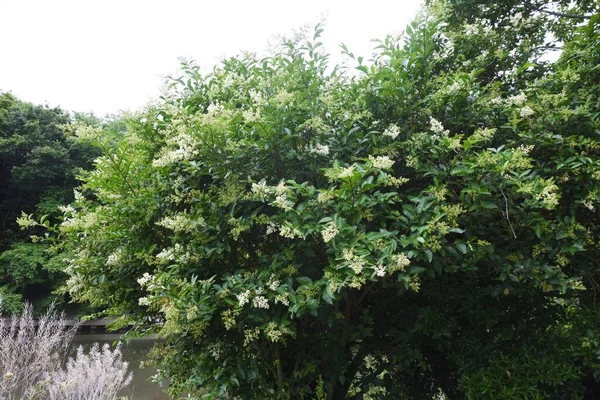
[(32, 362)]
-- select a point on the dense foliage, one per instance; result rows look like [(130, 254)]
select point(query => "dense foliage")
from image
[(425, 225), (38, 165)]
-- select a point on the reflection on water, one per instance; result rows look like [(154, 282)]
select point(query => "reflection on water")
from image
[(134, 351)]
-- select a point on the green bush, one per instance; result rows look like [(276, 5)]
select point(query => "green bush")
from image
[(427, 224)]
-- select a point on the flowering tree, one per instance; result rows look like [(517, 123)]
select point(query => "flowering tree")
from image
[(297, 231)]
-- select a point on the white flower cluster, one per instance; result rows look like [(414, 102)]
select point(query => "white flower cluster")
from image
[(145, 279), (283, 202), (455, 87), (379, 270), (260, 302), (283, 97), (77, 223), (330, 232), (324, 197), (169, 254), (436, 127), (348, 254), (251, 116), (346, 172), (392, 131), (180, 223), (144, 301), (526, 111), (471, 29), (271, 228), (355, 263), (525, 150), (185, 150), (78, 195), (216, 350), (289, 232), (275, 335), (399, 262), (255, 96), (549, 196), (114, 257), (381, 162), (261, 189), (272, 283), (516, 100), (283, 299), (66, 209), (243, 298), (588, 204), (516, 19), (320, 149)]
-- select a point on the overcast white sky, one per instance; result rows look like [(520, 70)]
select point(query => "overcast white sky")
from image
[(109, 55)]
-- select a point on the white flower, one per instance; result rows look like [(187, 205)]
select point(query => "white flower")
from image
[(185, 149), (180, 223), (166, 255), (320, 149), (357, 265), (78, 195), (346, 172), (283, 97), (379, 270), (144, 301), (324, 196), (281, 188), (260, 189), (114, 257), (289, 232), (399, 262), (255, 96), (437, 127), (243, 298), (381, 162), (330, 232), (273, 284), (525, 150), (260, 302), (526, 112), (271, 228), (471, 29), (392, 131), (516, 19), (251, 116), (145, 278), (348, 254), (282, 202), (455, 87), (66, 209), (588, 204), (516, 100), (283, 299)]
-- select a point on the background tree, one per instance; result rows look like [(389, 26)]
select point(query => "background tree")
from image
[(38, 165)]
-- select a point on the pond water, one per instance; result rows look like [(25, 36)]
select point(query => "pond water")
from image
[(134, 351)]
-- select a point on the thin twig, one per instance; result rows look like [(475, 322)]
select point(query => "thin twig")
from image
[(507, 217), (559, 14)]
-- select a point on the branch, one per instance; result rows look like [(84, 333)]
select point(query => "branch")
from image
[(507, 217), (556, 13), (559, 14)]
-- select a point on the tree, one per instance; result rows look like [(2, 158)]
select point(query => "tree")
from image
[(38, 166), (297, 231)]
